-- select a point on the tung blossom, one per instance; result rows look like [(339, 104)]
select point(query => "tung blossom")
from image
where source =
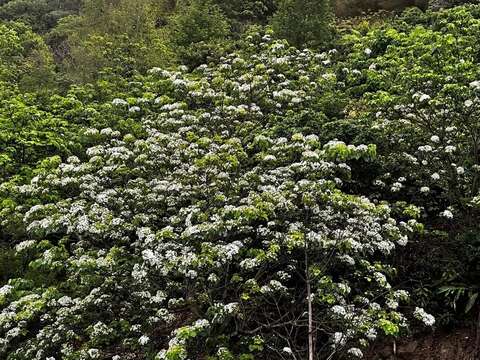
[(425, 189), (447, 214), (424, 97), (449, 149), (475, 84), (421, 315), (119, 102), (144, 340), (356, 352)]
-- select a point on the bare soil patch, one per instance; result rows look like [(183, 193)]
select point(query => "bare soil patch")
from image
[(457, 344)]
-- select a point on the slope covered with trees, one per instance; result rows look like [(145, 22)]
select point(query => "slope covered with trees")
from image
[(179, 182)]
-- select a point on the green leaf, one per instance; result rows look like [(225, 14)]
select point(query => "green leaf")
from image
[(471, 301)]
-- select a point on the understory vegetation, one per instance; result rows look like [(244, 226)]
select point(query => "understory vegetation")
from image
[(234, 180)]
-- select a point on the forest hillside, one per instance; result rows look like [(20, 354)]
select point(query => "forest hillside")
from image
[(255, 179)]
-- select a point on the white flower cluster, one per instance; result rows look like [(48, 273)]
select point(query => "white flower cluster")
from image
[(425, 318)]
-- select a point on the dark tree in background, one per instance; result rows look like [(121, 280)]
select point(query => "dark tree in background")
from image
[(304, 22)]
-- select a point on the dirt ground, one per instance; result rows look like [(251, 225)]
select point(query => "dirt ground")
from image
[(455, 345)]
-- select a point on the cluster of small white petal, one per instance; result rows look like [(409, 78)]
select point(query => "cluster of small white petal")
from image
[(427, 319)]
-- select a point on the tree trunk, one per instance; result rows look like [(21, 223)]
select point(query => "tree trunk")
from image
[(311, 349)]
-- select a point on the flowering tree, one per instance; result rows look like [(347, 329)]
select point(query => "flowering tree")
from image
[(217, 231), (417, 85)]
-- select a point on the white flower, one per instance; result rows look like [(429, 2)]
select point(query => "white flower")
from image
[(475, 84), (425, 148), (396, 187), (460, 170), (106, 132), (380, 278), (435, 176), (421, 315), (450, 149), (368, 51), (138, 273), (143, 340), (371, 334), (5, 290), (339, 310), (356, 352), (447, 214), (119, 102), (392, 304), (339, 338), (287, 350), (343, 288), (249, 264), (134, 109), (162, 354), (273, 286), (468, 103), (269, 158), (12, 333), (403, 240), (231, 308), (385, 246), (425, 189), (201, 324), (223, 353), (424, 97), (192, 274), (212, 278), (232, 249), (347, 259), (150, 257), (154, 70), (65, 301), (27, 244), (73, 160), (310, 154), (93, 353), (100, 329), (435, 139)]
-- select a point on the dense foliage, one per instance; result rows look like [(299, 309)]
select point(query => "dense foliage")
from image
[(203, 190), (304, 22)]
